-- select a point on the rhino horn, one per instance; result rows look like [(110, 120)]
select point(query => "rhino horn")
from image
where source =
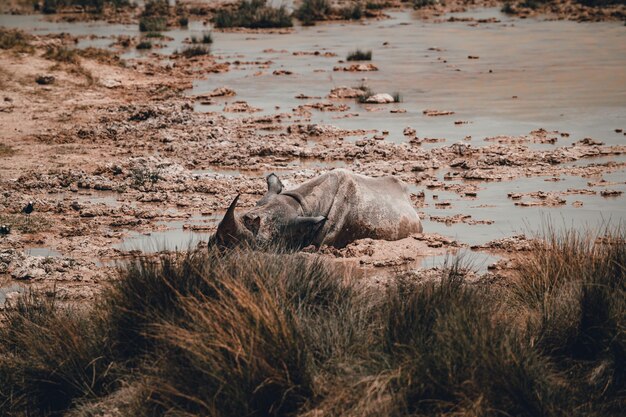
[(230, 230)]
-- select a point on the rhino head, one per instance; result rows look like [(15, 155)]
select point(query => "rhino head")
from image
[(277, 219)]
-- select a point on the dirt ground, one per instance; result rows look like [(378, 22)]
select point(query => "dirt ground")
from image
[(106, 149)]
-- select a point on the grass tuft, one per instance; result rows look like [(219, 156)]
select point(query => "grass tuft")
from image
[(253, 14), (207, 38), (359, 55), (249, 333), (6, 150), (196, 50), (62, 54), (14, 39), (144, 44)]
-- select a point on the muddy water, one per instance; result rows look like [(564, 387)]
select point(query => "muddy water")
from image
[(508, 219), (529, 74), (526, 57)]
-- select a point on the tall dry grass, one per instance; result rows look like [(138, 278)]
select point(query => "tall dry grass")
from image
[(281, 334)]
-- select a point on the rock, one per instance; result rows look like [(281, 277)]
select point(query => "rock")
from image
[(346, 92), (589, 142), (240, 107), (380, 98), (357, 68), (218, 92), (110, 83), (45, 79)]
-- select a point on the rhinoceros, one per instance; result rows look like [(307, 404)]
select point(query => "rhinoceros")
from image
[(334, 209)]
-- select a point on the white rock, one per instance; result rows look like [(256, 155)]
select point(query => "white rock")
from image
[(380, 98)]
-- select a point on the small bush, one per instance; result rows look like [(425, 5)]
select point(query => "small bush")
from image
[(418, 4), (196, 50), (152, 24), (376, 5), (158, 8), (397, 97), (311, 11), (6, 150), (144, 45), (253, 14), (48, 357), (183, 21), (207, 38), (353, 12), (62, 54), (359, 55), (13, 38), (508, 8), (101, 55)]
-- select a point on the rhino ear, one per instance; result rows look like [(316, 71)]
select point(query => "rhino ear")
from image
[(308, 223), (274, 186)]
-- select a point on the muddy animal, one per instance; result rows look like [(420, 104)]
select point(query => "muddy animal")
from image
[(333, 209)]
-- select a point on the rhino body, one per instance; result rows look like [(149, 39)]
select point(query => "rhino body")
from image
[(333, 209)]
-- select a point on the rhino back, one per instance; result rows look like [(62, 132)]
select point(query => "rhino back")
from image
[(357, 207)]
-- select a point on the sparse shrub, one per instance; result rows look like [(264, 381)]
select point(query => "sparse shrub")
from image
[(6, 150), (207, 38), (183, 21), (508, 8), (196, 50), (145, 44), (311, 11), (418, 4), (397, 97), (101, 55), (156, 8), (13, 38), (62, 54), (253, 14), (152, 24), (153, 35), (359, 55), (154, 16), (376, 5), (351, 12), (49, 357)]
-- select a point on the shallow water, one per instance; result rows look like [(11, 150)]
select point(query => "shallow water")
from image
[(566, 76), (492, 203), (173, 237), (43, 252), (527, 58)]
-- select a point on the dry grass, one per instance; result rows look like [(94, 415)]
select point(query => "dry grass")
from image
[(248, 333), (253, 14), (23, 223), (6, 150), (14, 39)]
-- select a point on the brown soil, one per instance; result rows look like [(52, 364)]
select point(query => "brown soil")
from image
[(129, 134)]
